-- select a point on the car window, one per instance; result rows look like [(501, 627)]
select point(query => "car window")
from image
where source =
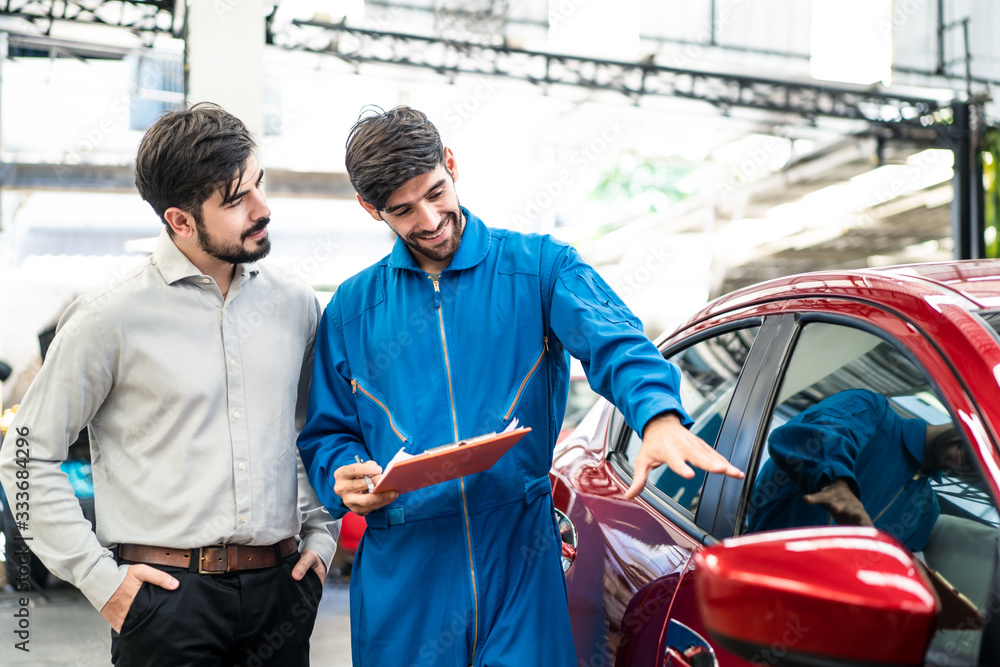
[(709, 372), (859, 436)]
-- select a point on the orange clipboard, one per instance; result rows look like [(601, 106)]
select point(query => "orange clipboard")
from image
[(440, 464)]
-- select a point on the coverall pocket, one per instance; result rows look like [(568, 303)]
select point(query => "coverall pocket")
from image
[(364, 394), (517, 391), (590, 288)]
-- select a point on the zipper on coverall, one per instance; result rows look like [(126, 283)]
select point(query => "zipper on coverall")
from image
[(356, 387), (524, 382), (884, 509), (461, 481)]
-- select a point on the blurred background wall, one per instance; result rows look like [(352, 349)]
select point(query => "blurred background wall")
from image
[(684, 147)]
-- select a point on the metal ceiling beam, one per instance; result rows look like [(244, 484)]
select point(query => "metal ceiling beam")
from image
[(900, 115), (150, 16)]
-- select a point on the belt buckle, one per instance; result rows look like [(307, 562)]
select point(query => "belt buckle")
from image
[(202, 555)]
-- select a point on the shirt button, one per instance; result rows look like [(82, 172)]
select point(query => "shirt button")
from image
[(236, 414), (206, 280), (243, 518), (232, 362), (242, 466)]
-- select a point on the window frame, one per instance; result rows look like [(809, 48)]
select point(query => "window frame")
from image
[(619, 432)]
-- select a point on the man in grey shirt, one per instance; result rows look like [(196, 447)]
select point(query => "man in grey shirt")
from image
[(191, 372)]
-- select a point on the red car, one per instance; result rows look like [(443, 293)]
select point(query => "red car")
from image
[(720, 571)]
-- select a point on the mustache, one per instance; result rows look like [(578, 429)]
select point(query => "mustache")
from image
[(444, 221), (257, 226)]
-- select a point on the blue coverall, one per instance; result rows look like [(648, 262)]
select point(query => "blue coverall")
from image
[(854, 435), (467, 572)]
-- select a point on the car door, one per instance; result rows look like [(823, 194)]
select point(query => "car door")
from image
[(719, 361), (837, 352)]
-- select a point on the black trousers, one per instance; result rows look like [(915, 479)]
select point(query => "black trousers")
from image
[(242, 619)]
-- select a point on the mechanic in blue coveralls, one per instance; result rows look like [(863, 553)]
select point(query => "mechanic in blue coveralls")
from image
[(458, 331), (851, 459)]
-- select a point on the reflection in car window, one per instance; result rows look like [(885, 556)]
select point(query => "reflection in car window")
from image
[(709, 372), (858, 436), (992, 319)]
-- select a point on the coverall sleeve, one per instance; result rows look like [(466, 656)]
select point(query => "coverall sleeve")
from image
[(821, 445), (68, 391), (332, 434), (319, 530), (621, 363)]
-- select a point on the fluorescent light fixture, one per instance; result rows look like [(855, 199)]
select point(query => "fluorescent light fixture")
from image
[(594, 29), (852, 41)]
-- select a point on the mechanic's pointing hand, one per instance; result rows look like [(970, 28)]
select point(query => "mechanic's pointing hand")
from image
[(665, 440)]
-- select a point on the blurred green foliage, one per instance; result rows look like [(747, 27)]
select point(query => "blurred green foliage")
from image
[(990, 155), (646, 185)]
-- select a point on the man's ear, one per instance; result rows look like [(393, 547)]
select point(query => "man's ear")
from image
[(451, 164), (372, 211), (180, 221)]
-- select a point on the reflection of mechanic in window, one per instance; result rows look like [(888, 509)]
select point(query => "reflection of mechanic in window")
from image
[(851, 459)]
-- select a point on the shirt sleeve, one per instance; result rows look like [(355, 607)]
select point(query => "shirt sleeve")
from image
[(76, 377), (621, 363), (822, 444), (332, 435), (319, 530)]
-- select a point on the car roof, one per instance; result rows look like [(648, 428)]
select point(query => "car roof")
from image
[(971, 284)]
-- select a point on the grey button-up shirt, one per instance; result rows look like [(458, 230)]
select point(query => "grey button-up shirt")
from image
[(192, 401)]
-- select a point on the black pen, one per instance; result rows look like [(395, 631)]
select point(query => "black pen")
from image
[(368, 480)]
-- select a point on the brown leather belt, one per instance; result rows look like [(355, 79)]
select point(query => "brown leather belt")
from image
[(216, 559)]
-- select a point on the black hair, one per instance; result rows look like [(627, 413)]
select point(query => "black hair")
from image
[(385, 149), (188, 155)]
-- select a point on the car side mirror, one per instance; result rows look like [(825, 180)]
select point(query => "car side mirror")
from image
[(831, 596)]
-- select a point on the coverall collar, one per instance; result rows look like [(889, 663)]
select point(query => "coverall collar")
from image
[(915, 437), (475, 245)]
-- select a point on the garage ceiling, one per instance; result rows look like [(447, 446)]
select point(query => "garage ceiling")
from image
[(912, 225)]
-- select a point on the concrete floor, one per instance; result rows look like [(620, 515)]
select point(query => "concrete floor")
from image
[(65, 631)]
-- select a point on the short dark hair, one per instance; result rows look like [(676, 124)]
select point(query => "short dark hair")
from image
[(189, 154), (385, 149)]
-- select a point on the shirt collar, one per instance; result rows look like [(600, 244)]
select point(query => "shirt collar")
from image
[(915, 439), (174, 265), (473, 249)]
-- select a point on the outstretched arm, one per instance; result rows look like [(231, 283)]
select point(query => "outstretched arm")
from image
[(665, 441), (624, 366)]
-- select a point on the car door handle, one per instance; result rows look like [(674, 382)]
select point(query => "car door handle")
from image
[(568, 536), (686, 648)]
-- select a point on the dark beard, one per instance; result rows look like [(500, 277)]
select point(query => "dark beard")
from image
[(458, 228), (234, 253)]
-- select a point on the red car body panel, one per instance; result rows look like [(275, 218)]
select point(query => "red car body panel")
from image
[(632, 564)]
